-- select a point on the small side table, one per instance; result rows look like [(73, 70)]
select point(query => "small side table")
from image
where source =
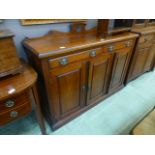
[(18, 94)]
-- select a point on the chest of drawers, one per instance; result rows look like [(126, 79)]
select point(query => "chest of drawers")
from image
[(143, 58), (77, 71), (18, 94)]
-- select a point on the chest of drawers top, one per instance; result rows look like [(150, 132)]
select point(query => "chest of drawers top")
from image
[(57, 43), (13, 85), (145, 30)]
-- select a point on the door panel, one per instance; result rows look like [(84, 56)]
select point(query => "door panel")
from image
[(150, 59), (121, 61), (98, 79), (139, 62), (99, 76), (68, 88)]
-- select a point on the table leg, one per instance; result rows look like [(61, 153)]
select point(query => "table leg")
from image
[(38, 110)]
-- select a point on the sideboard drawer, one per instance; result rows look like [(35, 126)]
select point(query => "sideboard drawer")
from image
[(62, 61), (118, 45), (145, 41), (15, 113), (14, 102)]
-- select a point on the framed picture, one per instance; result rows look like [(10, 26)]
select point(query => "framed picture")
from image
[(48, 21)]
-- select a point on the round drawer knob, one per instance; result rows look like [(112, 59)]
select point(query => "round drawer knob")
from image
[(127, 44), (9, 103), (63, 61), (13, 114), (93, 53), (110, 48)]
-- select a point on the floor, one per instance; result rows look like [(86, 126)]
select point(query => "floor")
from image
[(117, 114), (147, 126)]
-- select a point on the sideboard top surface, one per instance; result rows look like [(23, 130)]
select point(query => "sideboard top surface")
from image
[(14, 84), (145, 30), (55, 43)]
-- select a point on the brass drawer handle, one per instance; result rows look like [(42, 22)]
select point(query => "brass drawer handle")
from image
[(127, 44), (9, 103), (13, 114), (63, 61), (93, 53), (110, 48)]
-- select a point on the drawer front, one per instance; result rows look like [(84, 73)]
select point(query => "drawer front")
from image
[(119, 45), (14, 102), (62, 61), (14, 114), (145, 41)]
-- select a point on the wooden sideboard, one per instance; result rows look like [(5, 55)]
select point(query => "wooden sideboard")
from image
[(143, 58), (77, 70), (18, 94)]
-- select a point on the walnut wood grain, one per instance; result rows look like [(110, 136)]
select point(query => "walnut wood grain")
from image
[(15, 84), (21, 110), (9, 60), (17, 88), (90, 65), (56, 43), (143, 56)]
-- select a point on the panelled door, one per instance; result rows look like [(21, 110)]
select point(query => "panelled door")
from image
[(139, 62), (99, 75), (68, 85), (150, 59), (120, 65)]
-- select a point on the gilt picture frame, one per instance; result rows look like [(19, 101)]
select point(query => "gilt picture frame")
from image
[(48, 21)]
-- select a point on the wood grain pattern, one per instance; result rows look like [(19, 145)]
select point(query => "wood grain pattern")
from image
[(9, 60), (150, 59), (122, 58), (145, 41), (21, 90), (48, 21), (146, 126), (107, 27), (99, 74), (17, 83), (57, 43), (83, 78), (67, 83), (143, 55), (22, 98), (21, 110)]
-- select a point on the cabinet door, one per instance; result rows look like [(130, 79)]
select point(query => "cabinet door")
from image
[(121, 61), (139, 62), (99, 76), (150, 59), (68, 89)]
